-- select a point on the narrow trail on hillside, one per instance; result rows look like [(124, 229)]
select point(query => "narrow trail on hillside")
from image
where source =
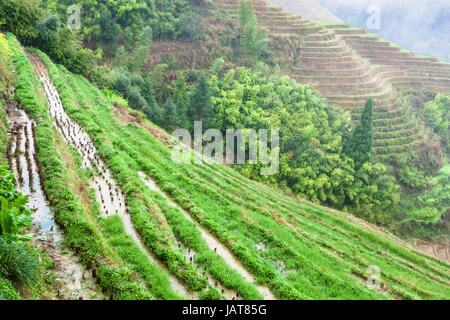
[(108, 194), (72, 280), (214, 244)]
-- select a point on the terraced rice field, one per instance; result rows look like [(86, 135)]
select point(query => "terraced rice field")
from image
[(194, 231), (72, 280), (348, 65)]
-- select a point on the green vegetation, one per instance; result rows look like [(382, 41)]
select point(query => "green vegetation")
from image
[(14, 215), (359, 145), (80, 234), (243, 213), (20, 19), (34, 25), (221, 71), (18, 262), (107, 21), (200, 104), (145, 214), (7, 290), (424, 213), (313, 164), (253, 40), (3, 130), (112, 228), (5, 72)]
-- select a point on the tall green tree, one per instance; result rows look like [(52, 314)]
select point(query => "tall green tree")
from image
[(360, 144), (21, 18)]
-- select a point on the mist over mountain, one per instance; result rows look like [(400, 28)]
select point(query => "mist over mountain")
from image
[(420, 25), (223, 150)]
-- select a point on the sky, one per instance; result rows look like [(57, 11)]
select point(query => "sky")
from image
[(420, 25)]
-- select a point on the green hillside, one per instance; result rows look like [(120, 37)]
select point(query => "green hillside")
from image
[(94, 204)]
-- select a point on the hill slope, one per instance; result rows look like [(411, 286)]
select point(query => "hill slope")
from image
[(308, 9), (194, 231)]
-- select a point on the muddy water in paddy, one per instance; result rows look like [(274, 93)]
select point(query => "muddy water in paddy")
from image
[(72, 281), (214, 244), (108, 193)]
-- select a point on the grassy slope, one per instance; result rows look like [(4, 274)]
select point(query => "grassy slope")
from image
[(325, 253), (3, 128)]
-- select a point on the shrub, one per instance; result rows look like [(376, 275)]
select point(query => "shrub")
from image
[(437, 113)]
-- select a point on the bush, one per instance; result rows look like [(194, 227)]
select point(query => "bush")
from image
[(15, 217)]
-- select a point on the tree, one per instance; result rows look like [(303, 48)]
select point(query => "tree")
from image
[(200, 106), (190, 26), (180, 98), (110, 29), (359, 146), (135, 99), (157, 74), (122, 82), (376, 193), (21, 18), (181, 110), (170, 117), (141, 49), (217, 66), (121, 58)]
